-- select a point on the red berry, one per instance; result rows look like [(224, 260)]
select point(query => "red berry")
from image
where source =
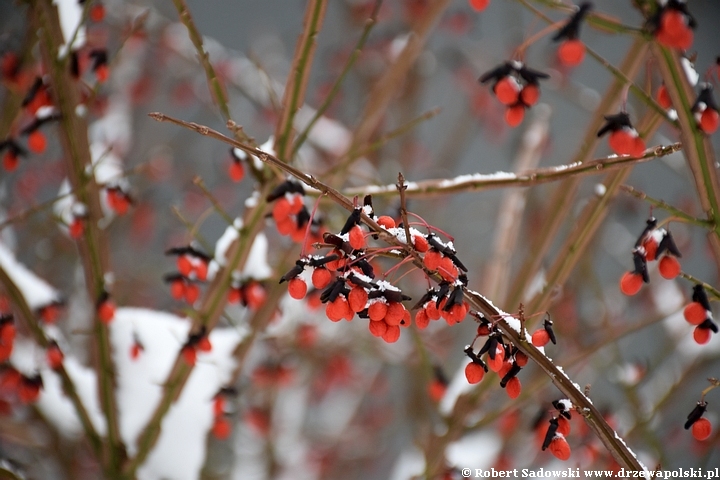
[(377, 311), (695, 313), (701, 429), (638, 147), (507, 90), (474, 372), (530, 94), (630, 283), (513, 387), (10, 161), (540, 338), (192, 293), (97, 12), (204, 344), (622, 141), (563, 426), (386, 222), (255, 295), (395, 313), (709, 120), (37, 141), (701, 335), (219, 405), (7, 334), (296, 204), (236, 171), (76, 228), (335, 310), (436, 390), (420, 243), (571, 52), (102, 72), (479, 5), (650, 246), (669, 267), (321, 278), (521, 359), (54, 357), (357, 298), (421, 319), (392, 334), (29, 391), (184, 265), (514, 115), (378, 329), (106, 311), (177, 289), (189, 354), (135, 351), (497, 363), (447, 269), (357, 238), (281, 209), (5, 352), (560, 448), (297, 288), (663, 98), (221, 428)]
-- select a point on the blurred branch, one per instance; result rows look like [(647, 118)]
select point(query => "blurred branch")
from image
[(369, 24), (93, 245), (661, 204), (294, 94)]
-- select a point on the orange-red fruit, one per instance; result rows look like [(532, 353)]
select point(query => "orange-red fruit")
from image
[(102, 72), (135, 351), (622, 142), (571, 52), (392, 334), (377, 311), (76, 228), (514, 115), (540, 338), (28, 392), (204, 344), (560, 448), (436, 390), (357, 238), (563, 426), (5, 352), (507, 90), (236, 171), (297, 288), (674, 31), (106, 311), (97, 12), (189, 354), (521, 359), (357, 298), (650, 246), (709, 120), (669, 267), (54, 357), (513, 387), (386, 221), (421, 244), (296, 204), (663, 98), (701, 335), (421, 319), (638, 148), (432, 259), (630, 283), (37, 141), (695, 313), (221, 428), (378, 329), (474, 372), (447, 269), (192, 293), (497, 363), (432, 311), (479, 5), (395, 313), (321, 278), (7, 334), (338, 309), (255, 295), (177, 289), (530, 94), (10, 161), (281, 209), (219, 405), (701, 429)]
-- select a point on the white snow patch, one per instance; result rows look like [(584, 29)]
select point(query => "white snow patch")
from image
[(475, 450), (37, 292), (70, 13)]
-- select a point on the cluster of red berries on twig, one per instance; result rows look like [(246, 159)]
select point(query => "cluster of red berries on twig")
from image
[(289, 211), (673, 25), (624, 139), (558, 430), (515, 86), (504, 359), (193, 266), (698, 313), (222, 428), (198, 341), (572, 51), (701, 426), (15, 385), (445, 301), (653, 244)]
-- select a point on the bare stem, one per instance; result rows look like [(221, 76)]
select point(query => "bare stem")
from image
[(661, 204)]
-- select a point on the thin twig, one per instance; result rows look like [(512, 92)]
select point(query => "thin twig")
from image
[(661, 204)]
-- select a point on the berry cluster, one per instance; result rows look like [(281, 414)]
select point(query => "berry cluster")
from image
[(515, 86), (193, 267), (706, 110), (673, 25), (624, 139), (653, 243), (198, 341), (558, 430), (572, 51), (444, 301), (701, 427), (698, 313), (289, 211), (504, 359), (222, 428)]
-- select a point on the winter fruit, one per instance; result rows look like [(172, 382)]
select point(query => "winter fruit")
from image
[(297, 288), (479, 5), (514, 115), (513, 387), (37, 143), (560, 448), (540, 338), (630, 283), (695, 313), (474, 372), (701, 429), (221, 428), (701, 335), (571, 52), (669, 267)]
